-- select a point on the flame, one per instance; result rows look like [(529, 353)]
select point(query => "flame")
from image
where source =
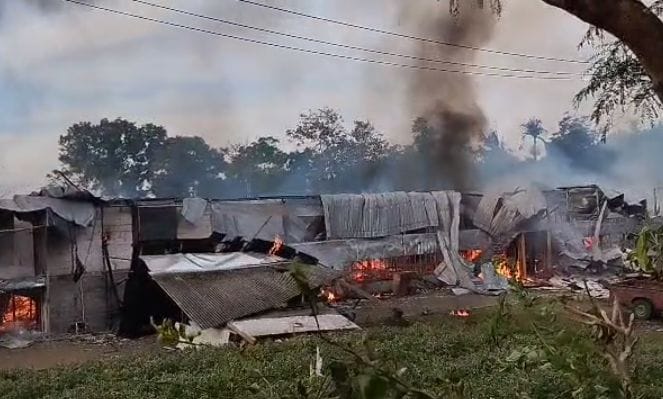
[(20, 310), (363, 269), (471, 255), (460, 313), (276, 247), (588, 242), (502, 268), (329, 296)]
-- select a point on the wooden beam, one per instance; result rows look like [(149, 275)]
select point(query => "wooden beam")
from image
[(549, 258), (522, 257)]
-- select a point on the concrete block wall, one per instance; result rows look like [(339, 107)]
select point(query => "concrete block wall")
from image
[(87, 300), (118, 226)]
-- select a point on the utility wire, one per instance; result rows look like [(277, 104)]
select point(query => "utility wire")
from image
[(308, 51), (412, 37), (368, 50)]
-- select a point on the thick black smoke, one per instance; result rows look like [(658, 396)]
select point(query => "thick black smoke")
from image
[(448, 101)]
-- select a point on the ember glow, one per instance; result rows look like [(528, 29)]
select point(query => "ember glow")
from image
[(276, 247), (368, 269), (471, 255), (460, 313), (20, 310)]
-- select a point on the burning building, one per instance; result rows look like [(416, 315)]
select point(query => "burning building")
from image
[(74, 262)]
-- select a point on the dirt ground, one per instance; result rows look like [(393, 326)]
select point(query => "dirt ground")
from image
[(64, 352)]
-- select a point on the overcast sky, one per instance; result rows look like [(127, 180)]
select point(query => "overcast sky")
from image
[(61, 63)]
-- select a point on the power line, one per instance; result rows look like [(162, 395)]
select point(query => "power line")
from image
[(350, 47), (309, 51), (412, 37)]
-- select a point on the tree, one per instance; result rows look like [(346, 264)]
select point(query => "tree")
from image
[(112, 157), (257, 168), (187, 166), (627, 71), (534, 128), (633, 23), (336, 159), (579, 143)]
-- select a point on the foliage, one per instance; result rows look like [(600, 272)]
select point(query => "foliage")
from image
[(534, 129), (256, 168), (335, 158), (616, 339), (438, 354), (647, 256), (112, 157), (170, 335), (618, 82), (579, 143), (617, 79), (186, 166)]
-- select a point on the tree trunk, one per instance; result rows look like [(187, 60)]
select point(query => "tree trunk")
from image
[(632, 22)]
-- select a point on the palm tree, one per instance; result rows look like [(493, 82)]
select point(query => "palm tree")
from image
[(534, 129)]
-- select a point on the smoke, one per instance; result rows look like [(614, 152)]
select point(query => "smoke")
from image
[(448, 101), (626, 164)]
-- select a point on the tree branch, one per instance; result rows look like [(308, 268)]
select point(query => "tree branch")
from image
[(632, 22)]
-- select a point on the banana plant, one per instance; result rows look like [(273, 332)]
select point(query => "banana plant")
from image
[(647, 256)]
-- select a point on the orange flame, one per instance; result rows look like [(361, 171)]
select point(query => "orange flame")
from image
[(471, 255), (20, 310), (276, 247), (363, 269), (329, 296), (460, 313), (502, 268)]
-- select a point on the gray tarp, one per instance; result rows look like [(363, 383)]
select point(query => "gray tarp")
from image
[(193, 209), (78, 212), (294, 220), (453, 271), (377, 215), (249, 219)]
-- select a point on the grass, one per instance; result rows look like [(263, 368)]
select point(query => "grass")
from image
[(435, 353)]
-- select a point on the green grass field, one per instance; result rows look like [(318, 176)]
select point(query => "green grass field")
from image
[(436, 353)]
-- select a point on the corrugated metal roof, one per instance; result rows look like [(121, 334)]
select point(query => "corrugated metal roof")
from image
[(211, 299)]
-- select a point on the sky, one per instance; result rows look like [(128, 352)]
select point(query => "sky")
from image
[(61, 63)]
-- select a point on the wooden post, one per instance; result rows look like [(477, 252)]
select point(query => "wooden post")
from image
[(522, 255), (549, 266)]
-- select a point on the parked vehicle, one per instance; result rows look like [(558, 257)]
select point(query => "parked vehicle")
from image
[(643, 296)]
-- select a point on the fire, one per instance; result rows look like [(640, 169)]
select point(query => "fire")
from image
[(471, 255), (460, 313), (20, 310), (276, 247), (365, 268), (329, 296), (502, 267)]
